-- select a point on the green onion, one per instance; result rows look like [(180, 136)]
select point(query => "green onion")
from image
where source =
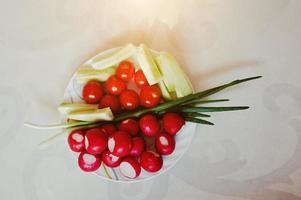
[(199, 121), (212, 109), (193, 114), (182, 105)]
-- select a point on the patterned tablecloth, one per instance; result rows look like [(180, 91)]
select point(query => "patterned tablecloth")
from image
[(254, 154)]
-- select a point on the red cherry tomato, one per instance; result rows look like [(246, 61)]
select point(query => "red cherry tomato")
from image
[(92, 92), (150, 96), (129, 125), (129, 99), (172, 122), (125, 71), (149, 125), (114, 85), (76, 140), (165, 144), (108, 129), (140, 79), (110, 101)]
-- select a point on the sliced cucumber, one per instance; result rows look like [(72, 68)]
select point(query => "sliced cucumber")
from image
[(66, 108), (148, 65), (114, 59), (165, 93), (104, 114), (173, 75), (86, 74), (166, 71)]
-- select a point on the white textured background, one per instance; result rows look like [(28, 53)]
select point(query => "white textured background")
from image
[(254, 154)]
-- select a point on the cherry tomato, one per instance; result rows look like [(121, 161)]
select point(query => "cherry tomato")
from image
[(150, 96), (129, 99), (114, 85), (125, 71), (149, 125), (110, 101), (129, 125), (140, 79), (92, 92)]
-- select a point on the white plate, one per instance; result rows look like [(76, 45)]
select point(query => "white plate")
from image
[(183, 138)]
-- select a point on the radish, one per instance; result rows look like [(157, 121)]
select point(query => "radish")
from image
[(120, 143), (130, 168), (165, 144), (76, 140), (172, 123), (95, 141), (138, 146), (89, 162), (149, 125), (129, 125), (109, 159), (109, 129), (151, 161)]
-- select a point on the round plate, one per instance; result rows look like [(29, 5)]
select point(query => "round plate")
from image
[(73, 93)]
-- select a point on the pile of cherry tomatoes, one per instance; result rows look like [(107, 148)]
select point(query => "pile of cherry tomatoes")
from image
[(117, 95), (132, 144)]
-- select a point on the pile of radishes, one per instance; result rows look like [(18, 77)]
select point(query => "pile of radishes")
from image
[(130, 144)]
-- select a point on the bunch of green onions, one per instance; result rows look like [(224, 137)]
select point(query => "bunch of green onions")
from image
[(190, 107)]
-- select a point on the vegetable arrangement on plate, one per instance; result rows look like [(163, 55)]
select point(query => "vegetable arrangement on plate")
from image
[(135, 104)]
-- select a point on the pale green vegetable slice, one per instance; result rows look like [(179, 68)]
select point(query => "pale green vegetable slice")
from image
[(167, 72), (114, 59), (165, 93), (173, 75), (104, 114), (66, 108), (148, 65), (86, 74)]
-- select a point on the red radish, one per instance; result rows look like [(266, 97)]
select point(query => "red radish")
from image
[(129, 99), (165, 144), (114, 85), (95, 141), (109, 159), (150, 96), (110, 101), (76, 140), (109, 129), (88, 162), (149, 125), (138, 146), (130, 167), (129, 125), (172, 122), (120, 143), (151, 161), (92, 92), (125, 70)]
